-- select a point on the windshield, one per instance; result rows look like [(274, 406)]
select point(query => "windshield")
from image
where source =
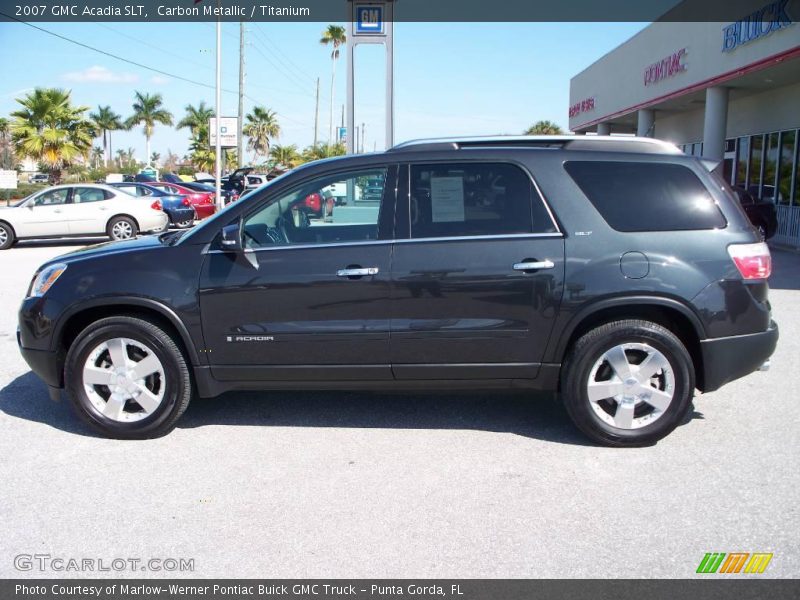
[(24, 200)]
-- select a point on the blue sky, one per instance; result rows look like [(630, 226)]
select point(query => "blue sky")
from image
[(450, 78)]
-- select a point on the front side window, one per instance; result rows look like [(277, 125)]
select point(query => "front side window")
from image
[(331, 209), (474, 199), (646, 196), (52, 197)]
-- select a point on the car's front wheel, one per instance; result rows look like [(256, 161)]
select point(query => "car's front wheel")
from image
[(628, 383), (7, 236), (122, 228), (127, 378)]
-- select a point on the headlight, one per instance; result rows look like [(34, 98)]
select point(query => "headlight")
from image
[(45, 279)]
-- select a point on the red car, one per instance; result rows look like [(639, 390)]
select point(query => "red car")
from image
[(203, 202)]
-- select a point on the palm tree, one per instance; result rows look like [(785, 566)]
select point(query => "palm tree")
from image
[(288, 156), (154, 157), (106, 120), (171, 161), (196, 117), (6, 147), (130, 155), (98, 154), (323, 151), (334, 35), (50, 130), (544, 128), (148, 110), (261, 125)]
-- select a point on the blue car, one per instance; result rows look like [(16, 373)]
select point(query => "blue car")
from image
[(178, 208)]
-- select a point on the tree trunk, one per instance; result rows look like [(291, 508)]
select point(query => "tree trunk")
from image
[(147, 137)]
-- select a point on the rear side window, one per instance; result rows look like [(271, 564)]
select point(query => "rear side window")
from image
[(646, 196), (473, 199), (83, 195)]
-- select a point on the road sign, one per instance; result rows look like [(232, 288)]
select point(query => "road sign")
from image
[(228, 132), (342, 135), (8, 179), (369, 18)]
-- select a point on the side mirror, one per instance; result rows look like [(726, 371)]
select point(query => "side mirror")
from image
[(232, 238)]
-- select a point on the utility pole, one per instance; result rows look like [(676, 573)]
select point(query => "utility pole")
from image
[(239, 137), (356, 134), (363, 130), (218, 111), (316, 116)]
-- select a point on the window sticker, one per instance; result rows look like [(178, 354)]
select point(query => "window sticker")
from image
[(447, 199)]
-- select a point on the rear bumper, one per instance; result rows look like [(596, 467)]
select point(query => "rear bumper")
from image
[(204, 210), (179, 215), (729, 358)]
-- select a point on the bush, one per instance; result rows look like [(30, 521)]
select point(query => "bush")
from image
[(23, 190)]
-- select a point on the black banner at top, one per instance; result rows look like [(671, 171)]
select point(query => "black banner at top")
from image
[(404, 10)]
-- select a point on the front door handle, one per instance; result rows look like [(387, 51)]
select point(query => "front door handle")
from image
[(534, 265), (357, 272)]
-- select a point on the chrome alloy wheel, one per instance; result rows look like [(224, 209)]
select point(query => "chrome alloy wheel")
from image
[(124, 380), (3, 235), (631, 385), (122, 230)]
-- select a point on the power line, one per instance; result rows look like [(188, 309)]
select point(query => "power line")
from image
[(137, 64)]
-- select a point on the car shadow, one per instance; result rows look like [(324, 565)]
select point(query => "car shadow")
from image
[(528, 414), (52, 243), (785, 270)]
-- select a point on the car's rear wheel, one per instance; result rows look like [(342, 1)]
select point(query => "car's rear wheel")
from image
[(7, 237), (122, 228), (628, 383), (185, 224), (127, 378)]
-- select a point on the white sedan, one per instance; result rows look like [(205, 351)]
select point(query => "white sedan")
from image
[(80, 210)]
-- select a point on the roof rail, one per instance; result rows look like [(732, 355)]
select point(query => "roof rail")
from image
[(571, 142)]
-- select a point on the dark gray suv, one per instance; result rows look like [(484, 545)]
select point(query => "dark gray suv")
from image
[(616, 271)]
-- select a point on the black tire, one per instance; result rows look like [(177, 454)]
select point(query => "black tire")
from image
[(7, 236), (131, 227), (585, 353), (178, 385), (185, 224)]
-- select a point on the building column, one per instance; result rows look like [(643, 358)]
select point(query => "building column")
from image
[(716, 123), (646, 124), (604, 129)]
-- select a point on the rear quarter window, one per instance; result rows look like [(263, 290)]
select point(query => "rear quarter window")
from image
[(639, 196)]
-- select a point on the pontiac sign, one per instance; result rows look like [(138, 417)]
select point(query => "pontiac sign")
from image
[(666, 67), (759, 24)]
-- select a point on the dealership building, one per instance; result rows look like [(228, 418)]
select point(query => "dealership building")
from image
[(725, 91)]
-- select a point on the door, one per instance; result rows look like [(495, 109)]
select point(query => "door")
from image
[(478, 281), (44, 215), (89, 210), (308, 299)]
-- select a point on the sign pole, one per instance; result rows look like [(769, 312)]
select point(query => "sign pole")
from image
[(351, 44)]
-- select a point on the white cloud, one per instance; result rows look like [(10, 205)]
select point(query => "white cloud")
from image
[(98, 74), (159, 80)]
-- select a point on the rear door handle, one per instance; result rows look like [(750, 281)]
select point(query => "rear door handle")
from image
[(534, 265), (357, 272)]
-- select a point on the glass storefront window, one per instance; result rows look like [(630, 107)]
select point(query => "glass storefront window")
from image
[(742, 156), (785, 174), (768, 191), (756, 158)]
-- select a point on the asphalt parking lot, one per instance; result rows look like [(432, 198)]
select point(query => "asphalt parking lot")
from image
[(370, 485)]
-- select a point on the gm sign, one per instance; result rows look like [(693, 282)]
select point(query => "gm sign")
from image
[(369, 19)]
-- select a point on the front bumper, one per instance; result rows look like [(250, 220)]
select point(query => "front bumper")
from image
[(729, 358), (46, 364)]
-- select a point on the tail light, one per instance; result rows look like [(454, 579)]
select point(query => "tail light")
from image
[(186, 202), (753, 260), (156, 205), (313, 201)]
